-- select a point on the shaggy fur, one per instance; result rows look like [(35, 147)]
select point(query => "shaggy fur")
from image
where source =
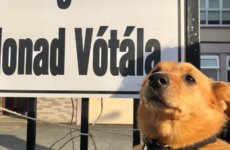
[(188, 112)]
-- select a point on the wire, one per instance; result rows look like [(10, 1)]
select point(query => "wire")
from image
[(72, 129), (23, 116), (72, 122), (99, 115)]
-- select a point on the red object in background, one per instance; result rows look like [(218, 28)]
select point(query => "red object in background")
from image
[(9, 103), (18, 105)]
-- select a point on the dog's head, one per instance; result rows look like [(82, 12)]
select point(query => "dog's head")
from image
[(180, 106), (179, 91)]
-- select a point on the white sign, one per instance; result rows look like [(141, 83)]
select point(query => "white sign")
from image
[(85, 48)]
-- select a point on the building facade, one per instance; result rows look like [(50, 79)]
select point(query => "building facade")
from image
[(215, 39)]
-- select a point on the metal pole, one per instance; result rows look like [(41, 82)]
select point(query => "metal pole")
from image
[(31, 125), (192, 32), (84, 123), (136, 134)]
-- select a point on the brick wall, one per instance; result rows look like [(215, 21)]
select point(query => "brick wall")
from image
[(56, 109)]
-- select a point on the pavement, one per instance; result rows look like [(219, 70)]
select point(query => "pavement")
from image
[(13, 133)]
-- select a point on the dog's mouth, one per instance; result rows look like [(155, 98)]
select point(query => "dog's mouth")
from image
[(161, 104), (158, 102)]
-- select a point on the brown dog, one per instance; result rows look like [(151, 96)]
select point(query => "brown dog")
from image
[(182, 109)]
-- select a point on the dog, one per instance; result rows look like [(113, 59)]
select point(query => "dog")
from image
[(182, 109)]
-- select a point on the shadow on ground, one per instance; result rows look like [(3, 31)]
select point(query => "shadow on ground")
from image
[(13, 143)]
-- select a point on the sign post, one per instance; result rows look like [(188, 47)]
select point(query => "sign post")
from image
[(84, 123), (31, 124), (193, 32)]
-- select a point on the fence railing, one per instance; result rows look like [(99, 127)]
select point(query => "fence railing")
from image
[(31, 124)]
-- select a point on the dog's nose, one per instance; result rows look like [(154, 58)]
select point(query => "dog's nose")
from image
[(158, 80)]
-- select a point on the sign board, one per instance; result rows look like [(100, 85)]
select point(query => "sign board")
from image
[(85, 48)]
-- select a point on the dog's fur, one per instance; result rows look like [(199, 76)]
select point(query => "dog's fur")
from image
[(184, 112)]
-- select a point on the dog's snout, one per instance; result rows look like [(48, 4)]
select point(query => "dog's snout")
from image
[(158, 80)]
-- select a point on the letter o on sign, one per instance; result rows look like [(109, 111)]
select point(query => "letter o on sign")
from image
[(63, 4)]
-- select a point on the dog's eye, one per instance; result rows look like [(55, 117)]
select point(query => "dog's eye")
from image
[(190, 79)]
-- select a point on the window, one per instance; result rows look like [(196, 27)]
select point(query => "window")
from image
[(215, 12), (228, 69), (210, 66)]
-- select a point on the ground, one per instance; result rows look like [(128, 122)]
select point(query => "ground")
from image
[(13, 136)]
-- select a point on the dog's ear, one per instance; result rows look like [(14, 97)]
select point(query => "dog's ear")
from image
[(222, 93)]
